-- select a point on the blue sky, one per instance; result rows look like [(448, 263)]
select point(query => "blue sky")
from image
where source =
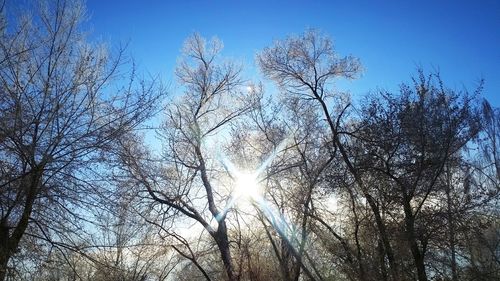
[(392, 38)]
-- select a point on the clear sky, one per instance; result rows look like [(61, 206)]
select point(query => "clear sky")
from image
[(392, 38)]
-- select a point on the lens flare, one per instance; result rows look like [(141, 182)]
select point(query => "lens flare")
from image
[(247, 192), (247, 186)]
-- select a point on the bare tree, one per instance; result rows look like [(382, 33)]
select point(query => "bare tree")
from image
[(186, 181), (405, 187), (305, 67), (58, 118), (415, 149)]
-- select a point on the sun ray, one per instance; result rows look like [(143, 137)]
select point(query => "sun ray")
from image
[(246, 184), (281, 146), (247, 188)]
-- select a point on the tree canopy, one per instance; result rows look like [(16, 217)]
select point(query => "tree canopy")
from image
[(301, 182)]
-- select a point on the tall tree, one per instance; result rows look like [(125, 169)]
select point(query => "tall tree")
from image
[(57, 120), (305, 67), (410, 143), (186, 181)]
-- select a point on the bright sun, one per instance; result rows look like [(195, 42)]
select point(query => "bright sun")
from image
[(247, 187)]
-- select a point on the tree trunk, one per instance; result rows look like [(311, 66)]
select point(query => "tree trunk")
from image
[(10, 242), (384, 236), (451, 232), (383, 269), (223, 244), (418, 256), (3, 259)]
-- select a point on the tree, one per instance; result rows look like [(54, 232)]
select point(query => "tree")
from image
[(186, 182), (412, 152), (305, 67), (293, 180), (58, 119), (390, 162), (402, 187)]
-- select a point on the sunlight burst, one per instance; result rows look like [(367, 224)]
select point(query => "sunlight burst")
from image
[(247, 186), (247, 193)]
